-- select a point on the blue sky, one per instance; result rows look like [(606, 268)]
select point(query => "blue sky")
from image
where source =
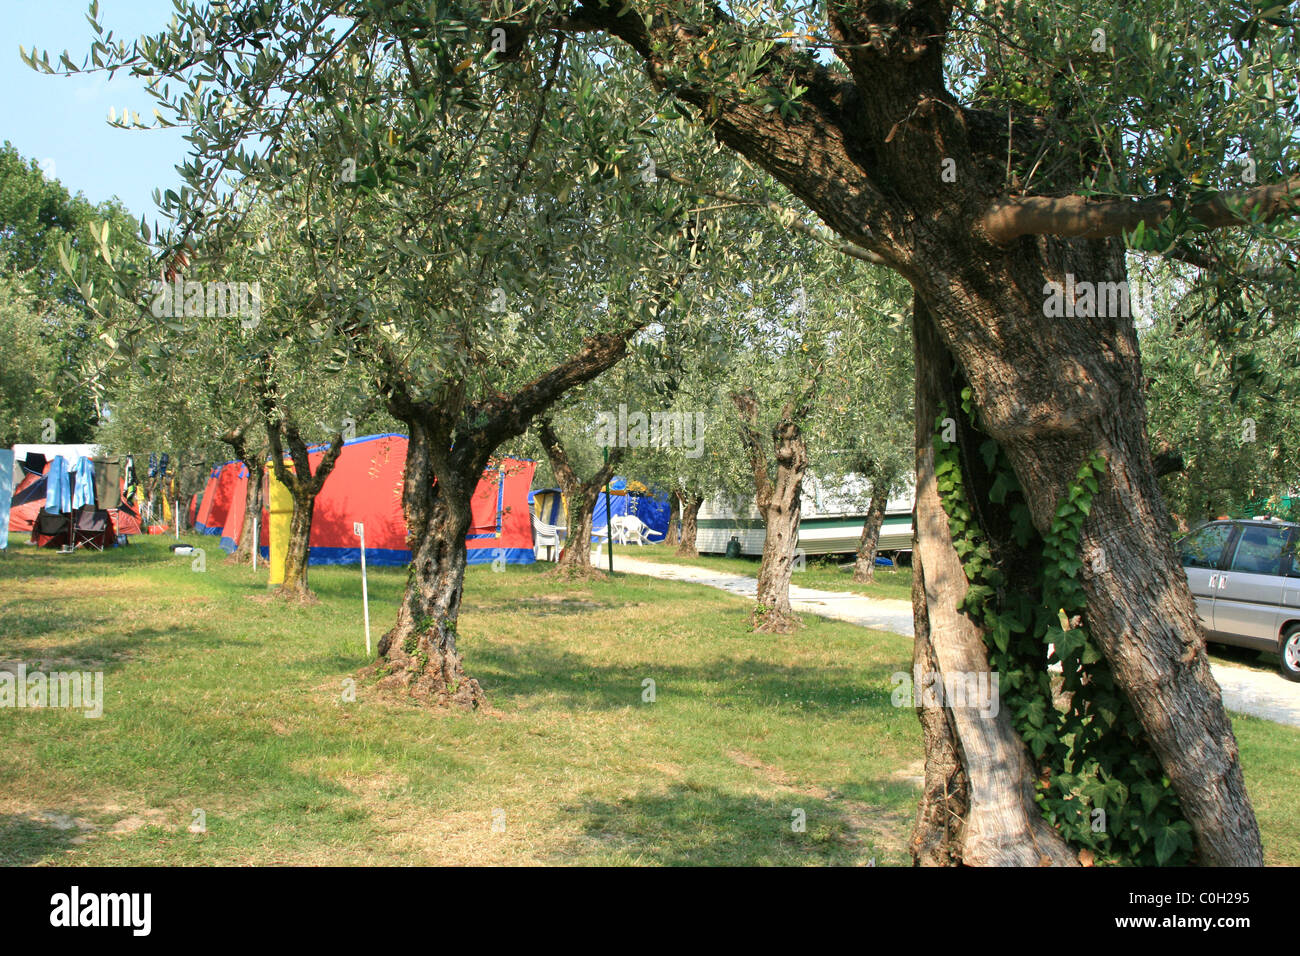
[(63, 121)]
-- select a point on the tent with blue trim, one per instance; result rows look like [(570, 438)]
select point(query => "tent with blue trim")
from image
[(366, 486)]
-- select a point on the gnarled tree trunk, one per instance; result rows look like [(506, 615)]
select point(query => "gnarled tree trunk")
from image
[(419, 651), (1000, 824), (779, 503), (689, 523), (450, 442)]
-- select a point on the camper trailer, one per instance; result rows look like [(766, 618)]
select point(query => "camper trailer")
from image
[(831, 518)]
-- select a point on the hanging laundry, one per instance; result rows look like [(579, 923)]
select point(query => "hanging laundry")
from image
[(6, 493), (58, 491), (128, 481), (83, 490)]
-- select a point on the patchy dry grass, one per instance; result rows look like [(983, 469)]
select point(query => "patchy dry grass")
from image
[(234, 707)]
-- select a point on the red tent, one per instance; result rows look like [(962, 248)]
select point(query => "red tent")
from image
[(500, 525), (366, 486), (234, 522), (28, 499), (217, 496)]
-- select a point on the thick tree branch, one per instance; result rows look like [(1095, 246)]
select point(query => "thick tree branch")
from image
[(1080, 217)]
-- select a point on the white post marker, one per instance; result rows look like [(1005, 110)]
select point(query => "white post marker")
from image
[(177, 511), (359, 529), (256, 541)]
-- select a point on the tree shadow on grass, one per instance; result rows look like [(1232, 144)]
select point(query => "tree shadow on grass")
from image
[(703, 826), (25, 840), (534, 670), (105, 652)]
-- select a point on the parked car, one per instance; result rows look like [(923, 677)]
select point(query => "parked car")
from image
[(1245, 576)]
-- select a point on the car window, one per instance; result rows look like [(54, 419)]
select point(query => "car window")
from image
[(1259, 549), (1203, 548)]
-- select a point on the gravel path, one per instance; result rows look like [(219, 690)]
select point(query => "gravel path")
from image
[(1258, 693)]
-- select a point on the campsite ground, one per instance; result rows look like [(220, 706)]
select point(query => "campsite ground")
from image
[(219, 701)]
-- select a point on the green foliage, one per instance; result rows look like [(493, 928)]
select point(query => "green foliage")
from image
[(30, 371), (1092, 755), (37, 216)]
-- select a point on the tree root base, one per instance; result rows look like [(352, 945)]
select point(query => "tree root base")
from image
[(774, 622), (575, 572), (425, 675), (299, 596)]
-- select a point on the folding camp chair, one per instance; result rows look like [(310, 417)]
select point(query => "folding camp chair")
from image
[(90, 529)]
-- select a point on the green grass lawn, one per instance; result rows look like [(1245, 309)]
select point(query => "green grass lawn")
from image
[(221, 701), (217, 700), (823, 572)]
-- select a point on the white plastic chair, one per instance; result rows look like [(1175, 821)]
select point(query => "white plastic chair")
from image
[(547, 536), (629, 529)]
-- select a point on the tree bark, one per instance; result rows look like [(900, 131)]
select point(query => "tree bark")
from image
[(304, 486), (1002, 825), (689, 523), (1051, 393), (945, 791), (864, 568), (255, 465), (418, 654), (248, 534)]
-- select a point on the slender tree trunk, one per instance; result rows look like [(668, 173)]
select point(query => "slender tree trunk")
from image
[(945, 795), (575, 557), (864, 568), (298, 553), (243, 553), (581, 496), (1002, 825), (304, 485), (773, 613), (689, 521)]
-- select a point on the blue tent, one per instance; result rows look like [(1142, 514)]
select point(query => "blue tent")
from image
[(650, 508)]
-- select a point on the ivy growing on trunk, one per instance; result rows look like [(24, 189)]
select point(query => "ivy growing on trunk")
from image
[(1099, 783)]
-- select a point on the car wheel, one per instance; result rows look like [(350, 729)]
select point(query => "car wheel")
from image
[(1291, 653)]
